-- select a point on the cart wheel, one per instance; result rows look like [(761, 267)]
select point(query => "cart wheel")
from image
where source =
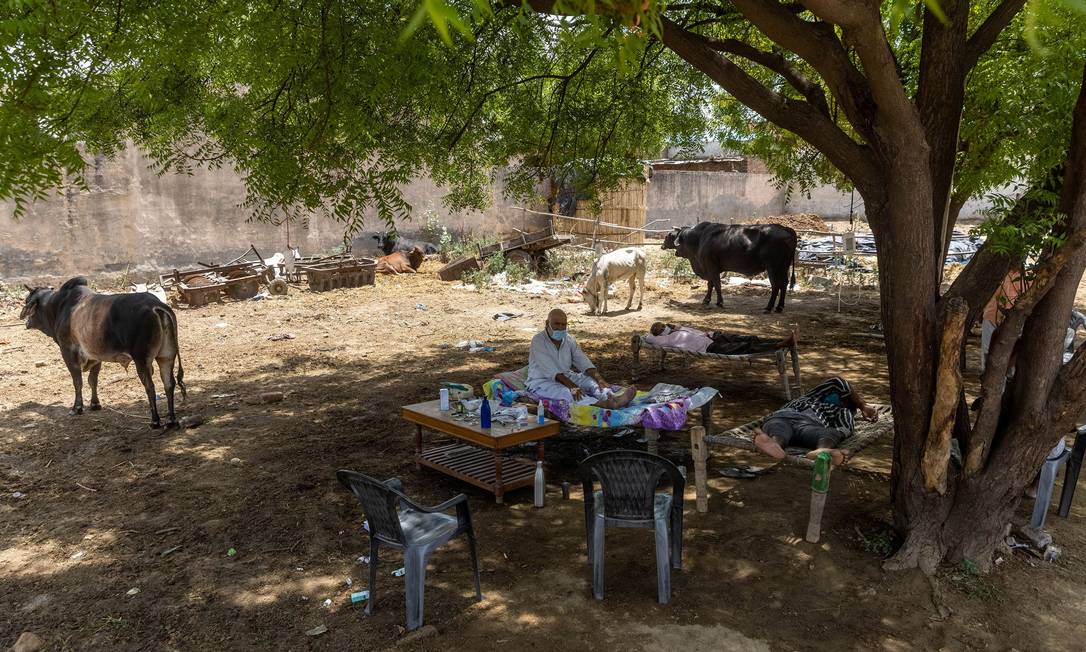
[(520, 257), (278, 287), (541, 264)]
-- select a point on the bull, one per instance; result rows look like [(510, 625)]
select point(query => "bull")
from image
[(92, 328), (714, 248)]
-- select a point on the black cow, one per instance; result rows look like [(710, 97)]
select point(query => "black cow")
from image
[(93, 328), (389, 243), (714, 248)]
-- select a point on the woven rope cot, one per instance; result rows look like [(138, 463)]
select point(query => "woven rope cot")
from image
[(864, 434), (778, 356)]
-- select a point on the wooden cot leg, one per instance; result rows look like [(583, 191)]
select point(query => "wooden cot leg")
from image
[(660, 366), (795, 369), (820, 485), (635, 345), (699, 450), (653, 437), (418, 446), (782, 370)]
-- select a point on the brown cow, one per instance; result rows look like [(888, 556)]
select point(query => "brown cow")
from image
[(93, 328), (399, 262)]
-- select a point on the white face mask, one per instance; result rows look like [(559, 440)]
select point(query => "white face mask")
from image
[(666, 331)]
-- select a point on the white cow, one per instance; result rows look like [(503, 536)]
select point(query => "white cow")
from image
[(611, 268)]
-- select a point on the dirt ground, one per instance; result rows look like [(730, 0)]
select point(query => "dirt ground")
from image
[(110, 506)]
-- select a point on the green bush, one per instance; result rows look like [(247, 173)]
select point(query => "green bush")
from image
[(678, 267)]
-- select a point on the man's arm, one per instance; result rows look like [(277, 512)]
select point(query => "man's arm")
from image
[(585, 366)]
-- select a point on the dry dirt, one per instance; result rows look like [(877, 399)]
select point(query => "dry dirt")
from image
[(111, 505)]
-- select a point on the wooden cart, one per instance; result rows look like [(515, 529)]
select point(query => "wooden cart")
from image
[(527, 249)]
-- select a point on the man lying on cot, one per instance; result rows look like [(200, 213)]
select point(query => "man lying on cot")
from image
[(551, 360), (819, 420), (696, 341)]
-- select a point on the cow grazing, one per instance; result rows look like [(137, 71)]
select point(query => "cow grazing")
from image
[(93, 328), (399, 262), (618, 265), (714, 248), (391, 243)]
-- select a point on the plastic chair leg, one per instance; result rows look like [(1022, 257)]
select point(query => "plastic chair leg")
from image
[(1046, 484), (373, 576), (474, 564), (677, 540), (415, 585), (663, 561), (596, 552), (1070, 478)]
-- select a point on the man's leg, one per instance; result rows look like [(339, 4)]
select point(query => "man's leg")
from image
[(821, 440), (773, 436), (551, 390)]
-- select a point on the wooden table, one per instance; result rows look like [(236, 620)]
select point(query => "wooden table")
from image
[(480, 461)]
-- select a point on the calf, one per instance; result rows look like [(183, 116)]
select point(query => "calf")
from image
[(619, 265), (399, 262), (714, 248), (93, 328), (392, 243)]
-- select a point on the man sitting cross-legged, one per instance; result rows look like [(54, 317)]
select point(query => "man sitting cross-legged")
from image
[(818, 420), (551, 360), (697, 341)]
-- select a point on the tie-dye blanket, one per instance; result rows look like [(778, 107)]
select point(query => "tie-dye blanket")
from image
[(663, 407)]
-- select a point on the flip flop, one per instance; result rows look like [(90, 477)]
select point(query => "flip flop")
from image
[(738, 473)]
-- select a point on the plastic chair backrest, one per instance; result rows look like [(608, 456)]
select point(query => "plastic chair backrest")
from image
[(380, 503), (629, 480)]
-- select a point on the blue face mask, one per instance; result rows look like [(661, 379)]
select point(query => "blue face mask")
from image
[(558, 335)]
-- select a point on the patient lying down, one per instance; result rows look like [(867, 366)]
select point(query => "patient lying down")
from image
[(697, 341)]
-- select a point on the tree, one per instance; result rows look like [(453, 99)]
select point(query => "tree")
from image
[(342, 109)]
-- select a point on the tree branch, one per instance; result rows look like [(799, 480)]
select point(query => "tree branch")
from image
[(777, 63), (994, 380), (985, 36)]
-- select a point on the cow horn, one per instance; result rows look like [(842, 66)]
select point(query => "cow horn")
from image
[(28, 288)]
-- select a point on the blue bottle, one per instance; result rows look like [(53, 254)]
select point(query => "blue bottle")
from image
[(484, 414)]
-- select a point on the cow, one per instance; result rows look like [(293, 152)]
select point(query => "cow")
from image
[(714, 248), (618, 265), (92, 328), (389, 243), (399, 262)]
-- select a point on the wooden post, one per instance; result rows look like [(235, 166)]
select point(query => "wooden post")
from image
[(700, 452), (635, 345), (820, 485), (653, 437), (782, 370)]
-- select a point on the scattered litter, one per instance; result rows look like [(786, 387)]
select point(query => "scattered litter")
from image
[(260, 296), (132, 591), (420, 306), (223, 395), (327, 602), (78, 554), (399, 572), (474, 346), (231, 553), (221, 324), (169, 550), (281, 336), (316, 631), (359, 596), (18, 494), (364, 559), (349, 582), (298, 568), (1052, 553), (506, 316)]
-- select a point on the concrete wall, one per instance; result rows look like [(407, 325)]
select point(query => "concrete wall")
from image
[(131, 217)]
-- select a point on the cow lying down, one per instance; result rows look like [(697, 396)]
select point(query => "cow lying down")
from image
[(93, 328), (399, 262)]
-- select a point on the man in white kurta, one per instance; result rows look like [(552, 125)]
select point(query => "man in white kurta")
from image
[(559, 370)]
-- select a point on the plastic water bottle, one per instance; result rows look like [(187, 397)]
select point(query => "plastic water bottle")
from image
[(540, 487), (484, 414), (443, 399), (539, 415)]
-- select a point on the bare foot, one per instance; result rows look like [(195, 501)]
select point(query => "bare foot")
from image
[(617, 401), (838, 456), (768, 445)]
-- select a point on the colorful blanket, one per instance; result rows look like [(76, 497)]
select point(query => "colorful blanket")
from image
[(663, 407)]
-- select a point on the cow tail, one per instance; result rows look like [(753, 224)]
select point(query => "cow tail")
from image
[(171, 320)]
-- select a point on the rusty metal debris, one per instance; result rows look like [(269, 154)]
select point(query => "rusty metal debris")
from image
[(240, 279)]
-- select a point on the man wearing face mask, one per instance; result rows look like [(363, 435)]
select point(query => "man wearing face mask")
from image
[(554, 355), (692, 339)]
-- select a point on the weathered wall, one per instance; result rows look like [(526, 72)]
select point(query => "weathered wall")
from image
[(132, 217), (684, 197)]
